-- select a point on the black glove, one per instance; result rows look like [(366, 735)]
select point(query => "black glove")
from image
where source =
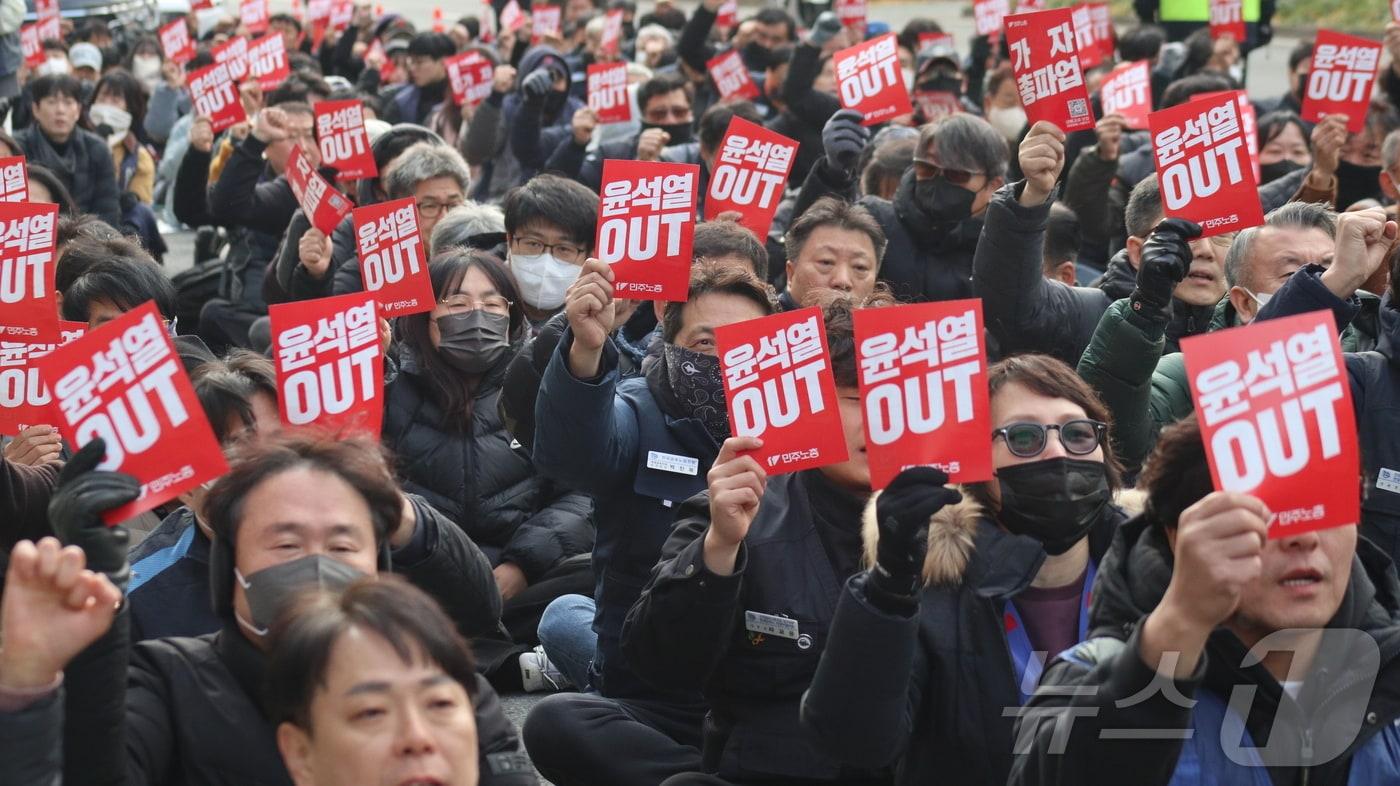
[(1166, 258), (825, 29), (537, 85), (843, 138), (83, 494), (903, 511)]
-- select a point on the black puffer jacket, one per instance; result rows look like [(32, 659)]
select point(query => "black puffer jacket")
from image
[(85, 168), (483, 481)]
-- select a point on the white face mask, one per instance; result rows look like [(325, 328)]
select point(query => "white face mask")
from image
[(543, 279), (54, 65), (116, 118), (1009, 121), (146, 68), (909, 78)]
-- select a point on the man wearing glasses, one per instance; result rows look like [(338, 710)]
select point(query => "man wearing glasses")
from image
[(667, 118), (550, 224)]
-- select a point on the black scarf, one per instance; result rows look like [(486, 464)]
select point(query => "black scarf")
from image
[(687, 385)]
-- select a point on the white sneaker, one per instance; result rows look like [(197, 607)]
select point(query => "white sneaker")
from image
[(537, 674)]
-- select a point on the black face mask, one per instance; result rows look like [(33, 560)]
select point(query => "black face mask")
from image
[(937, 200), (694, 380), (756, 56), (1268, 173), (1056, 501), (680, 132), (474, 341), (1355, 183)]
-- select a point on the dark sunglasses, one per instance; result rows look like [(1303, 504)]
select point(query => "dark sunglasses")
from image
[(1080, 437), (955, 176)]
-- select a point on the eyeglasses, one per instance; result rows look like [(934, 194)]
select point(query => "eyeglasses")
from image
[(461, 304), (957, 177), (564, 252), (1079, 437), (434, 209)]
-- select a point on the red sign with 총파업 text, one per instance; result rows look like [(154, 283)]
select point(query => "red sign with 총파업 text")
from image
[(323, 205), (869, 80), (1127, 91), (751, 172), (731, 77), (175, 41), (330, 363), (24, 400), (340, 132), (14, 179), (1049, 77), (1341, 78), (216, 96), (1203, 165), (1277, 420), (923, 389), (123, 382), (393, 262), (607, 92), (28, 311), (646, 227), (780, 388)]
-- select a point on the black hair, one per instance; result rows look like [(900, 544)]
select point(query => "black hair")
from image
[(1301, 51), (46, 178), (285, 19), (1274, 123), (308, 628), (551, 199), (909, 36), (1186, 88), (1176, 475), (716, 119), (117, 270), (121, 82), (1062, 236), (662, 84), (50, 85), (452, 391), (433, 45), (225, 389), (773, 15), (669, 17), (1143, 42), (71, 228), (203, 58), (838, 314), (718, 239), (710, 278)]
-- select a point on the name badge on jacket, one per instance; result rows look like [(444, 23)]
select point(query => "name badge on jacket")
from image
[(670, 462), (758, 622)]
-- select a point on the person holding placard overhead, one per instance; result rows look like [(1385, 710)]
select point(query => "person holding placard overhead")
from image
[(967, 595)]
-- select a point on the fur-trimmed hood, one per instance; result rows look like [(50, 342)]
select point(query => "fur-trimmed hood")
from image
[(952, 534)]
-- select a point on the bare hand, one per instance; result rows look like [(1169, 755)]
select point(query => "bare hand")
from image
[(650, 143), (584, 122), (174, 74), (375, 60), (36, 446), (1042, 157), (503, 79), (52, 609), (251, 95), (1328, 138), (1363, 239), (1219, 552), (736, 486), (510, 580), (202, 134), (270, 126), (1109, 131), (314, 251), (592, 311)]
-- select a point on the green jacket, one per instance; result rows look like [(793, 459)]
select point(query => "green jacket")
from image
[(1146, 390)]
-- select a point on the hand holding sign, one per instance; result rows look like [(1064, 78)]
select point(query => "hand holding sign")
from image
[(1109, 132), (1329, 136), (903, 511), (737, 483), (1166, 258), (314, 251), (1042, 158), (81, 511), (591, 309)]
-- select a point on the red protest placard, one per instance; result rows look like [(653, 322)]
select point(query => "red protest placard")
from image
[(728, 16), (780, 388), (731, 76), (254, 15), (1128, 91), (216, 96), (750, 172), (989, 15), (607, 92), (1203, 165), (1273, 401), (318, 16), (646, 226), (512, 18), (546, 22), (393, 262), (175, 41), (124, 383), (1030, 5), (330, 363), (267, 61), (24, 400), (1227, 18), (14, 179), (388, 73), (340, 132), (1247, 120), (28, 310), (201, 5), (931, 105), (46, 9), (923, 388), (470, 76), (870, 82), (1104, 35), (1341, 79), (50, 28), (323, 205), (1048, 74), (928, 41), (611, 42), (1085, 44), (852, 13), (32, 46), (234, 52), (342, 14)]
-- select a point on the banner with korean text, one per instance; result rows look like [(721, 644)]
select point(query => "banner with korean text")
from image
[(28, 309), (750, 174), (393, 262), (330, 363), (1046, 63), (646, 227), (869, 81), (24, 400), (1203, 165), (340, 132)]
